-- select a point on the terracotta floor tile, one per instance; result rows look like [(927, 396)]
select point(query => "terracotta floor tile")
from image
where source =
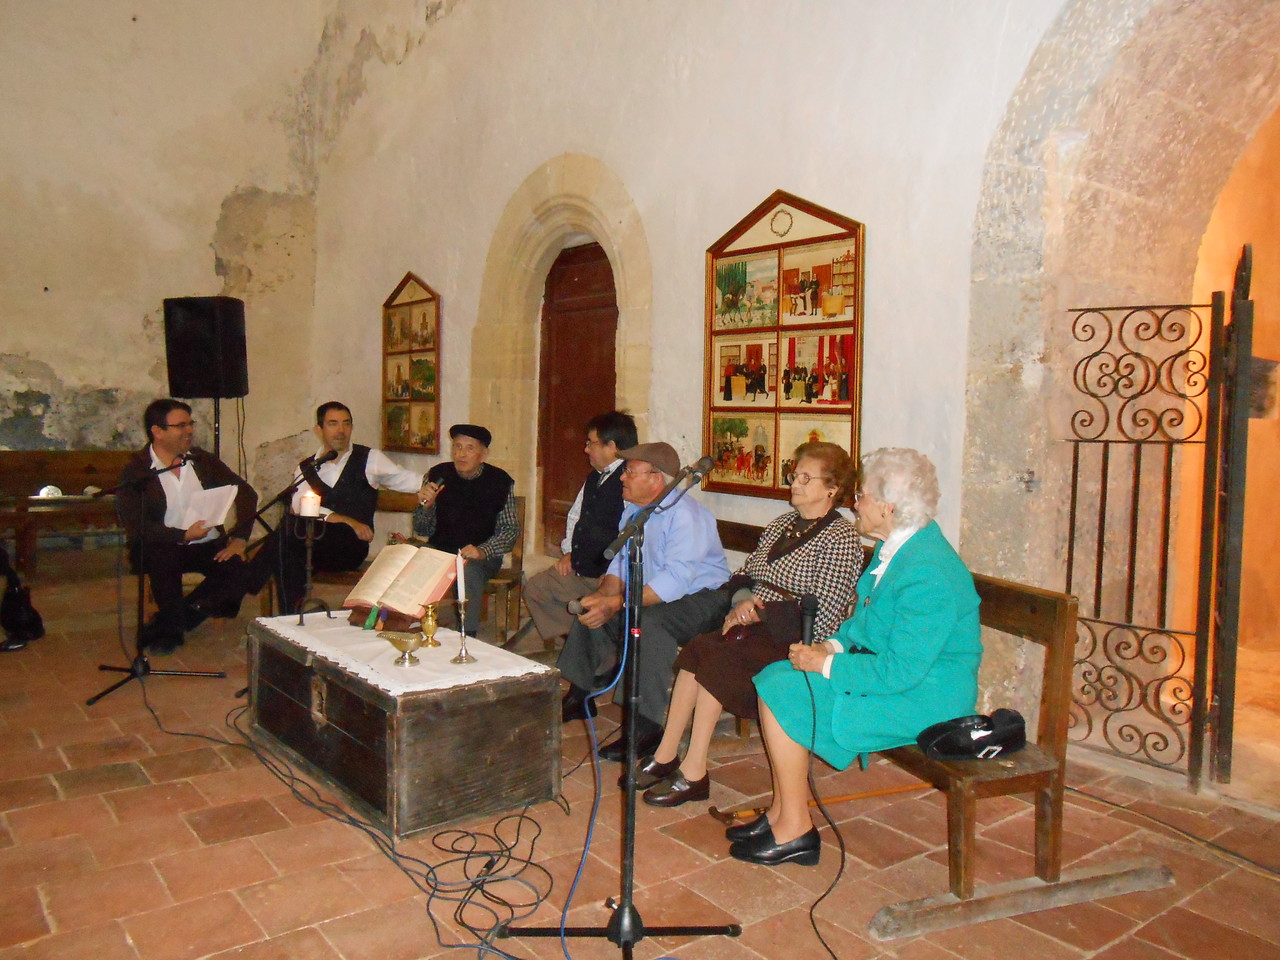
[(60, 819), (61, 733), (140, 840), (106, 941), (246, 818), (304, 944), (29, 864), (23, 764), (396, 931), (1197, 937), (22, 917), (1001, 939), (197, 873), (106, 895), (313, 845), (154, 800), (114, 750), (26, 793), (238, 784), (878, 845), (378, 877), (776, 936), (187, 763), (90, 780), (1235, 899), (192, 929), (302, 899), (1089, 926), (747, 892)]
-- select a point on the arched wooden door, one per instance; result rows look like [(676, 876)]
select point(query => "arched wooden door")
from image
[(577, 375)]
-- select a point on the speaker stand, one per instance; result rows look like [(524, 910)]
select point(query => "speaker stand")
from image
[(217, 427)]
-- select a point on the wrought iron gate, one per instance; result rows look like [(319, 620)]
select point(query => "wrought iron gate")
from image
[(1155, 534)]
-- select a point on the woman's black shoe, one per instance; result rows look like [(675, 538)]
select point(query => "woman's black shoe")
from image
[(803, 850), (678, 790), (748, 831), (649, 771)]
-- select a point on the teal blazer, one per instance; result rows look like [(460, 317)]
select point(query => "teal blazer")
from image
[(921, 625)]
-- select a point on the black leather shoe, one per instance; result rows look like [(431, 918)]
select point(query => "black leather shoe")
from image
[(576, 705), (803, 850), (748, 831), (648, 736), (649, 771), (678, 790)]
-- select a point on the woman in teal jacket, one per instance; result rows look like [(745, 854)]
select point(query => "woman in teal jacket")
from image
[(907, 658)]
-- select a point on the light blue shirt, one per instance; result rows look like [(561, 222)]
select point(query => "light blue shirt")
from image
[(682, 551)]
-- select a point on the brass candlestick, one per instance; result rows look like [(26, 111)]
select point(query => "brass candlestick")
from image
[(429, 626)]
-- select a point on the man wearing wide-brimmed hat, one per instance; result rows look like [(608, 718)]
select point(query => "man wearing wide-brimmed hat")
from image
[(468, 506), (684, 564)]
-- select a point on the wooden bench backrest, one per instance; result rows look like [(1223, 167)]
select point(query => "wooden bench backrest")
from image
[(1045, 617), (24, 472)]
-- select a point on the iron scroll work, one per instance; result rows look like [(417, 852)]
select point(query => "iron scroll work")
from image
[(1139, 437)]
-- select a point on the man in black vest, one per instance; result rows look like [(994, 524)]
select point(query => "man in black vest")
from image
[(592, 525), (347, 476), (468, 506)]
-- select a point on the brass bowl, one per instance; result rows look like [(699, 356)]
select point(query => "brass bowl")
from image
[(406, 641)]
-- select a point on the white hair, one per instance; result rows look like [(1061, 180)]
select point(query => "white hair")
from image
[(905, 478)]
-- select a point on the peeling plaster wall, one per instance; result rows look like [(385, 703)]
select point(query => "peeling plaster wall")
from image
[(149, 150), (698, 110)]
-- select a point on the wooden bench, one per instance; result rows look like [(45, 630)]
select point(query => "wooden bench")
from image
[(1048, 619), (24, 472), (505, 587)]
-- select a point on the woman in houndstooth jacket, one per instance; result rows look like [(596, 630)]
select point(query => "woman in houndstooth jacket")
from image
[(811, 549)]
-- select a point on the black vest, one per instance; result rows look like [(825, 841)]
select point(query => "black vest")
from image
[(597, 525), (467, 510), (351, 496)]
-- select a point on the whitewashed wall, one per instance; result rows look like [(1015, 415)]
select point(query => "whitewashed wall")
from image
[(882, 111)]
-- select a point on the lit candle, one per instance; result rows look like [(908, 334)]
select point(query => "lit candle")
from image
[(462, 583), (309, 505)]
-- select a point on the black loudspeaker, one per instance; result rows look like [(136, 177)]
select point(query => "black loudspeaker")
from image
[(204, 344)]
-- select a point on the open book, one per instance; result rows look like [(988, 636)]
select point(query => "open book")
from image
[(404, 578)]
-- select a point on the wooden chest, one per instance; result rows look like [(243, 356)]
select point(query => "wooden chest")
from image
[(413, 747)]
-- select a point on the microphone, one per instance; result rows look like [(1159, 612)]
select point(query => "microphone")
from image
[(700, 469), (808, 611), (324, 458), (576, 608)]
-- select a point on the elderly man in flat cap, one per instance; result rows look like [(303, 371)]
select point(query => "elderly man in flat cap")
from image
[(468, 506), (684, 565)]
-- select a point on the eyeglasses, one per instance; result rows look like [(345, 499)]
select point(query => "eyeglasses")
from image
[(593, 443), (804, 479), (177, 426), (632, 472)]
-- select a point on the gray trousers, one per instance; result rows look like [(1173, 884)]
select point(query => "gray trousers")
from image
[(547, 596), (590, 656)]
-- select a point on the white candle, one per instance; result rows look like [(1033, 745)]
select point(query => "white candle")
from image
[(462, 583), (309, 505)]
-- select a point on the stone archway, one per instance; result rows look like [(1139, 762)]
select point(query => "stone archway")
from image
[(1097, 189), (567, 197)]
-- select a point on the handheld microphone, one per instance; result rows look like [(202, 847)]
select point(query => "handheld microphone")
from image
[(324, 458), (808, 611), (576, 608)]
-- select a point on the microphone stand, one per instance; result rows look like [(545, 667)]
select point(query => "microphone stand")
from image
[(140, 667), (625, 927)]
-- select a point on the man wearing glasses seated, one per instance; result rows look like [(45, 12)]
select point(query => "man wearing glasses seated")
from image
[(160, 547), (684, 564)]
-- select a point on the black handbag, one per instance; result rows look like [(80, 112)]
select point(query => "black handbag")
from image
[(978, 737)]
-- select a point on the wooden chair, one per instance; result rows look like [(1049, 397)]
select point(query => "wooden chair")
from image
[(507, 586)]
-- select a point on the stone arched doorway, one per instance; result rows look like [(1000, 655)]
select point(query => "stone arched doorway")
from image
[(1097, 189), (566, 199)]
